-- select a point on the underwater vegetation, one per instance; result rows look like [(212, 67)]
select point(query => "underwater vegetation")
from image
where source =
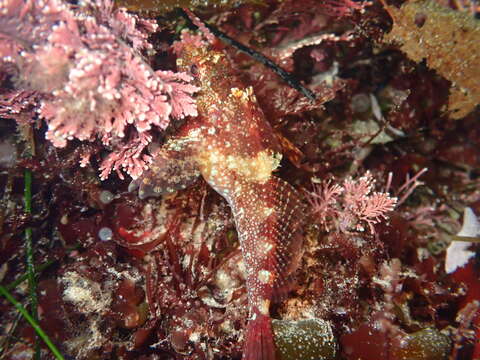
[(266, 180)]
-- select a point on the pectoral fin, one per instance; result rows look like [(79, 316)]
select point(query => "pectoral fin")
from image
[(170, 171)]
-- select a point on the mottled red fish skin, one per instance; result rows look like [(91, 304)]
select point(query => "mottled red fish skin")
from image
[(236, 151)]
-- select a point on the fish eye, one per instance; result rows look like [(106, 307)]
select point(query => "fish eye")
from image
[(194, 70)]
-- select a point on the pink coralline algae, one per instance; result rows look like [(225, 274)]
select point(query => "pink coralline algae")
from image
[(90, 65), (129, 158), (352, 206)]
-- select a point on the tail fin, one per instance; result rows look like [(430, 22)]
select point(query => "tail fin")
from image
[(259, 343)]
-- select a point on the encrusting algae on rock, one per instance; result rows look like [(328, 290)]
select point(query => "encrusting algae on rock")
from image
[(310, 339), (448, 40), (235, 150)]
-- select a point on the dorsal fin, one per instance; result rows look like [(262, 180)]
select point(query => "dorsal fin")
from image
[(290, 213), (269, 221)]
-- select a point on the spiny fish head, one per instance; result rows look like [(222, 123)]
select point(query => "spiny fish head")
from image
[(199, 59)]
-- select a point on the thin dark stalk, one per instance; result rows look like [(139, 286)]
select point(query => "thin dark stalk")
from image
[(32, 283), (32, 322), (285, 75)]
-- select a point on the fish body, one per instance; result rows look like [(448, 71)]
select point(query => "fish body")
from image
[(232, 146)]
